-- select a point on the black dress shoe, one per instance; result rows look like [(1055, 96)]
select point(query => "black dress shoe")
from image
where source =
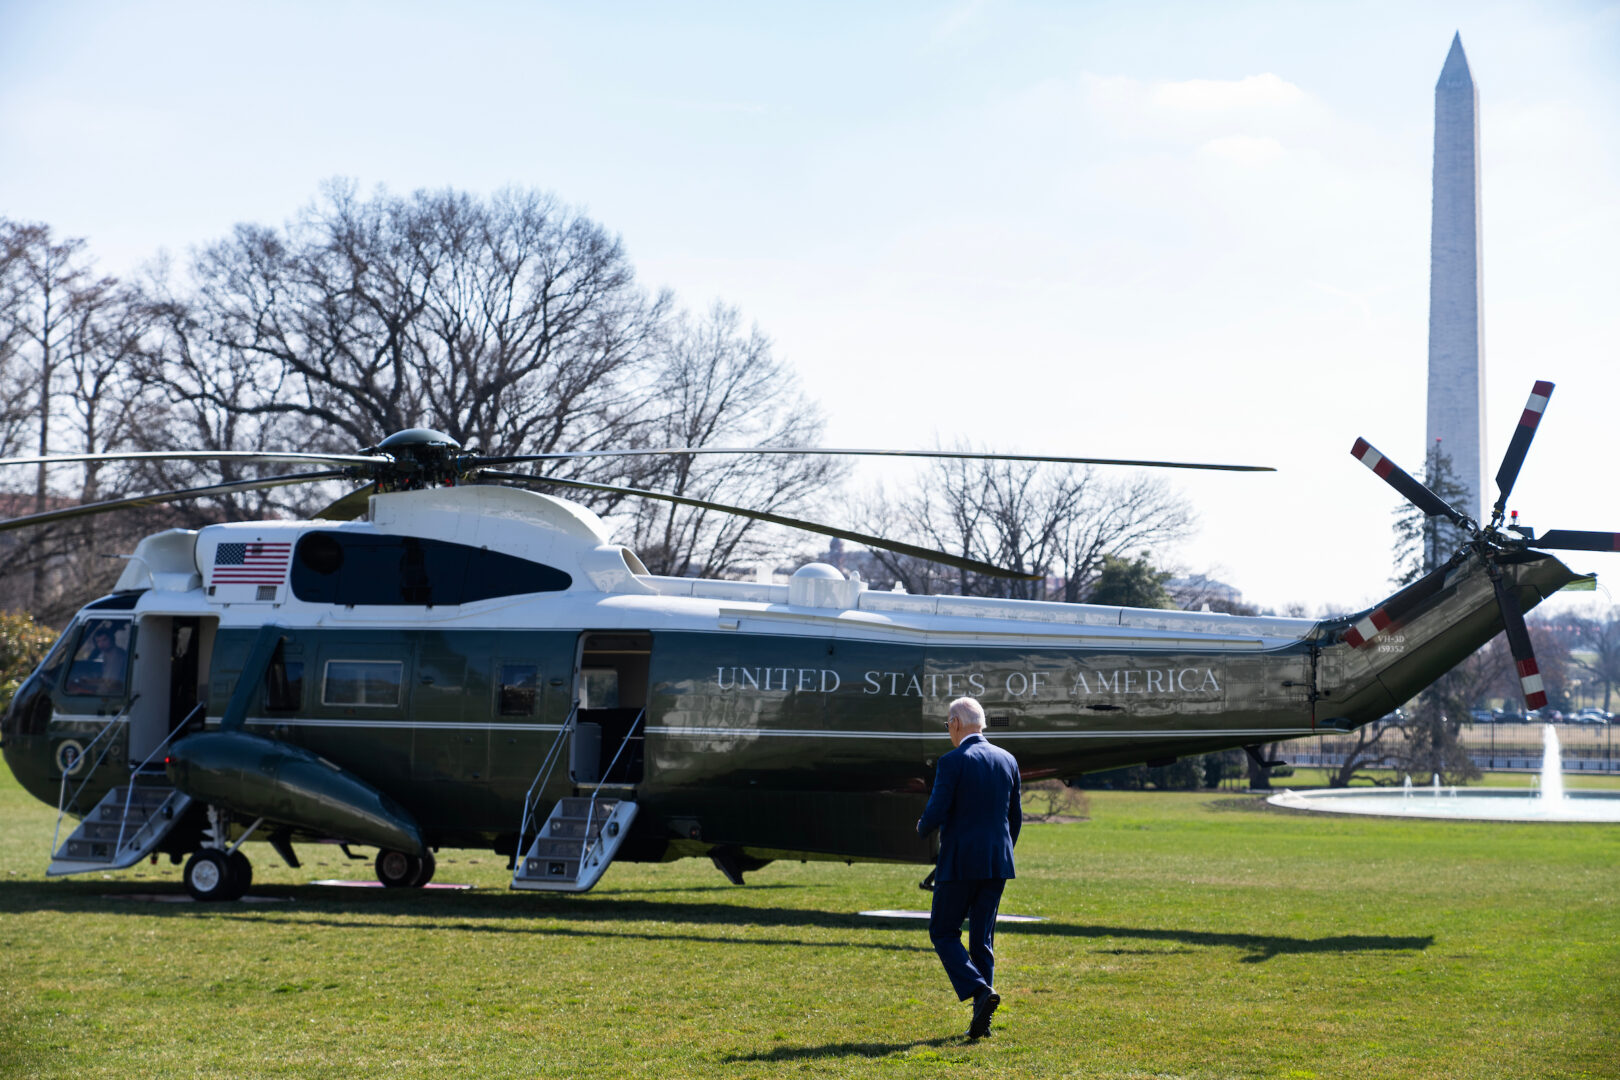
[(984, 1007)]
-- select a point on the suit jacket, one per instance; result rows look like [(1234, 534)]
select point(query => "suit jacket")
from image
[(975, 805)]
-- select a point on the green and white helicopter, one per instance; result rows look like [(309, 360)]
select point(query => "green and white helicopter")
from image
[(446, 659)]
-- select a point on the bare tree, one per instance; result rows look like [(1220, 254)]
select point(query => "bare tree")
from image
[(716, 385), (1060, 524), (513, 324), (1595, 648), (70, 336), (1363, 749), (17, 379)]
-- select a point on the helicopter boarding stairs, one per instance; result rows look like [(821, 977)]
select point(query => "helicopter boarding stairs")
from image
[(129, 822), (582, 833)]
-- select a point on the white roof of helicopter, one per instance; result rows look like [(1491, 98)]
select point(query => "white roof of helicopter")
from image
[(611, 589)]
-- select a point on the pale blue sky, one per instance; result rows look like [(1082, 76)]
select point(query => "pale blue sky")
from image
[(1174, 230)]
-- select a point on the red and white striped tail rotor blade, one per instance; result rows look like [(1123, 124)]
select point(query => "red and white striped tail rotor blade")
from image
[(1395, 609), (1402, 481), (1535, 693), (1519, 445), (1524, 656), (1575, 540)]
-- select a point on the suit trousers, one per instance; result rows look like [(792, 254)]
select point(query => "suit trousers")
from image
[(974, 968)]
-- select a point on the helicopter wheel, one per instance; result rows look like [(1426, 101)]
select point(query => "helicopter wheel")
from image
[(241, 872), (397, 870), (211, 875), (429, 864)]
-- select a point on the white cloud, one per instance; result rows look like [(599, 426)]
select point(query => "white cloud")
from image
[(1251, 150), (1257, 92), (1197, 110)]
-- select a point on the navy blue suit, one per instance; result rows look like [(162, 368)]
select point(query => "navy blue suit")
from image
[(975, 807)]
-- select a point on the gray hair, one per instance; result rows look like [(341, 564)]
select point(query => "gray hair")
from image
[(968, 711)]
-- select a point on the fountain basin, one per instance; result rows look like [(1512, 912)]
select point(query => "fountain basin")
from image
[(1472, 804)]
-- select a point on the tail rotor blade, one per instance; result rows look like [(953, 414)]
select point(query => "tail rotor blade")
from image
[(1396, 608), (1576, 540), (1524, 657), (1402, 481), (1519, 445)]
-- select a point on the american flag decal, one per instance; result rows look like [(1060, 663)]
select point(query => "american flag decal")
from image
[(253, 563)]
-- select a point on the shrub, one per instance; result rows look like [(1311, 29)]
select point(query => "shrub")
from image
[(23, 644)]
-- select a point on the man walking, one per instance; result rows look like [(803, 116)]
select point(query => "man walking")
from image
[(975, 807)]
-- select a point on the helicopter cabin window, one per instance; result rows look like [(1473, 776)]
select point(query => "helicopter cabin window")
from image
[(374, 683), (100, 659), (283, 684), (347, 568), (520, 684)]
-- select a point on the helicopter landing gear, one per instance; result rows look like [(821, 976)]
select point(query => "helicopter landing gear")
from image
[(241, 871), (211, 875), (217, 872), (397, 870)]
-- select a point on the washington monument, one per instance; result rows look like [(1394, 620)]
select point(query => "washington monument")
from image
[(1456, 317)]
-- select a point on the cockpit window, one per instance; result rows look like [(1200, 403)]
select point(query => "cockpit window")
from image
[(52, 665), (100, 659)]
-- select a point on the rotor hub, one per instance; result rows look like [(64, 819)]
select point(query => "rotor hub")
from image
[(417, 458)]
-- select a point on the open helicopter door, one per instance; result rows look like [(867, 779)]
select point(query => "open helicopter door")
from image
[(583, 833), (611, 688), (169, 658)]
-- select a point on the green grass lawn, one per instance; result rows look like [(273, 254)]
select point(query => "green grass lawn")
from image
[(1197, 935)]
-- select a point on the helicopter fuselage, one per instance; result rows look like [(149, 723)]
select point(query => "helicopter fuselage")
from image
[(440, 651)]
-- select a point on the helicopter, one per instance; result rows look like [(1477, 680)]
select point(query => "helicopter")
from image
[(445, 658)]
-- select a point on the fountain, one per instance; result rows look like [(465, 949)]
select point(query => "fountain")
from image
[(1552, 766), (1548, 801)]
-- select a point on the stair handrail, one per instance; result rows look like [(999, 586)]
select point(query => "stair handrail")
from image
[(586, 844), (129, 790), (541, 777), (63, 800)]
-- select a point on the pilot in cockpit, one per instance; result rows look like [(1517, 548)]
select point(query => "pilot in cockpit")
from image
[(99, 663)]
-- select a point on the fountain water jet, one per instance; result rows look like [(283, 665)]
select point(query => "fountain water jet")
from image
[(1552, 766)]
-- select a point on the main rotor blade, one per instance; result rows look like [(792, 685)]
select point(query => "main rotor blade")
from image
[(198, 455), (349, 507), (1399, 479), (972, 455), (1518, 635), (1396, 608), (793, 523), (1519, 445), (164, 497), (1575, 540)]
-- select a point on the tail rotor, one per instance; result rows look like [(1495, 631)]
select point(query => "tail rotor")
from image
[(1491, 541)]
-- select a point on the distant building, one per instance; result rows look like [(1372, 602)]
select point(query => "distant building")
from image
[(1456, 312), (1193, 592)]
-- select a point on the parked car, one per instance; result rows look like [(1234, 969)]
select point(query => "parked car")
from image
[(1592, 716), (1481, 716), (1510, 716)]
